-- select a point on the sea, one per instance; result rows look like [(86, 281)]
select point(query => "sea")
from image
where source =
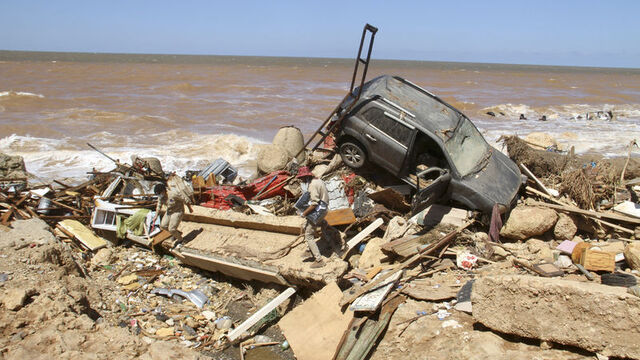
[(191, 110)]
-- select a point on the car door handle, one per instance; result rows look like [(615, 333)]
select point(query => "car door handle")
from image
[(371, 137)]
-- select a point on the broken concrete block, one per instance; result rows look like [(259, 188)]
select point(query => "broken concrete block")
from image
[(565, 228), (598, 318), (527, 221), (14, 299), (632, 255), (372, 254)]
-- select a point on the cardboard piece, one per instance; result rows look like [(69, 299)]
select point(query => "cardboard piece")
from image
[(315, 327), (75, 229), (595, 260)]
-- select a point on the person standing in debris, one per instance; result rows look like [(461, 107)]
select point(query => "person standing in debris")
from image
[(315, 212), (174, 204)]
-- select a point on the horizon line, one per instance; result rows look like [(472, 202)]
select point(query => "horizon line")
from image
[(98, 53)]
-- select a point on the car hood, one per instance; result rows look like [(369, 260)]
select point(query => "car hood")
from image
[(498, 182)]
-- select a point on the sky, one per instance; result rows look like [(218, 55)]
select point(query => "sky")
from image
[(540, 32)]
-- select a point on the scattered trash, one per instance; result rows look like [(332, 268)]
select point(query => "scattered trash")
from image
[(195, 296)]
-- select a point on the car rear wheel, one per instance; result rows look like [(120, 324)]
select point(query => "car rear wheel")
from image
[(353, 154)]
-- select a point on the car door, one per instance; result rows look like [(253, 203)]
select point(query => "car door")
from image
[(388, 139)]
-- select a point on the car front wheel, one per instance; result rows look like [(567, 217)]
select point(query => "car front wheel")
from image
[(353, 154)]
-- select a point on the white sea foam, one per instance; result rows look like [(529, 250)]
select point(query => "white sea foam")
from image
[(178, 151), (20, 93)]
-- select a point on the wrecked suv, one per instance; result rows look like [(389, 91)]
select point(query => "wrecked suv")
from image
[(426, 143)]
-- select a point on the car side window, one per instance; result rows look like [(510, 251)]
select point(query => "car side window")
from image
[(389, 126)]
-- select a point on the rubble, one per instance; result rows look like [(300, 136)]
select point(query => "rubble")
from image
[(594, 317)]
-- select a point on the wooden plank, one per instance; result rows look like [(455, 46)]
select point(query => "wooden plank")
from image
[(590, 213), (618, 227), (313, 328), (82, 234), (340, 217), (370, 301), (536, 180), (361, 235), (7, 215), (258, 315), (244, 270), (160, 237), (279, 224)]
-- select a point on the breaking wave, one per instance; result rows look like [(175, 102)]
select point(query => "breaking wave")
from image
[(178, 151), (18, 94)]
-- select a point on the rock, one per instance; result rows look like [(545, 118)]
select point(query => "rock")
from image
[(127, 279), (565, 228), (527, 221), (290, 138), (372, 254), (12, 167), (162, 332), (272, 158), (14, 299), (594, 317), (104, 256), (540, 249), (632, 255), (398, 227), (209, 315)]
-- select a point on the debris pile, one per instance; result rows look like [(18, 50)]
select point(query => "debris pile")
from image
[(241, 282)]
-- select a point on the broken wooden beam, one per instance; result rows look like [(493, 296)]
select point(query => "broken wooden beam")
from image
[(353, 294), (362, 235), (258, 315)]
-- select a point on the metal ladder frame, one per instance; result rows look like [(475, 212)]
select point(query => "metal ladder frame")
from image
[(359, 59)]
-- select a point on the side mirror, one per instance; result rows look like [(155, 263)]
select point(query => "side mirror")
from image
[(431, 193)]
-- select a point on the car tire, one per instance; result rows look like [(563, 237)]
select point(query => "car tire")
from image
[(353, 154)]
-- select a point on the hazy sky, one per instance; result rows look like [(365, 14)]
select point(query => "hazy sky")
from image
[(558, 32)]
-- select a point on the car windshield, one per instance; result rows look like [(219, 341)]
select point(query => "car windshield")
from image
[(466, 147)]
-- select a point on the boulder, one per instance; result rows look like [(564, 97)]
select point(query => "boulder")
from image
[(632, 255), (527, 221), (598, 318), (565, 228), (12, 167), (272, 158), (372, 254), (104, 256), (290, 138)]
